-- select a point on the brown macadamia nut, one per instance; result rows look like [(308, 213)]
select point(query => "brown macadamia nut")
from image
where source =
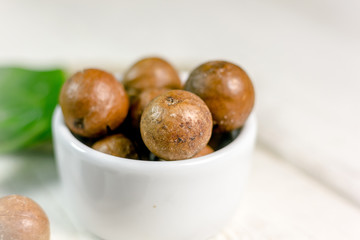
[(148, 73), (93, 102), (22, 219), (205, 151), (176, 125), (227, 91), (141, 101), (116, 145)]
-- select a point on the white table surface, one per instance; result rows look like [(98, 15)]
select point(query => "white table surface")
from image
[(281, 202), (303, 57)]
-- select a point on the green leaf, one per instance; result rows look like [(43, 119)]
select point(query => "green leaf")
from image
[(27, 101)]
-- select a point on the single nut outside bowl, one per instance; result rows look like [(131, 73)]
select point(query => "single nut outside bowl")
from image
[(118, 198)]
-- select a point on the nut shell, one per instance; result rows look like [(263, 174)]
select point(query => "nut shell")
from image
[(116, 145), (205, 151), (141, 101), (22, 219), (152, 72), (93, 102), (176, 125), (226, 89)]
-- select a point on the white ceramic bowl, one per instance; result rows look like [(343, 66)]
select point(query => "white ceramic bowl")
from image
[(117, 198)]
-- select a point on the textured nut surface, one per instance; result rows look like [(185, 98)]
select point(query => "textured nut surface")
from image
[(93, 102), (141, 101), (176, 125), (205, 151), (226, 89), (22, 219), (116, 145), (148, 73)]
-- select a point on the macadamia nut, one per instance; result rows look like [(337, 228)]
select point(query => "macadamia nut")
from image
[(176, 125), (226, 89), (93, 102), (22, 219), (152, 72)]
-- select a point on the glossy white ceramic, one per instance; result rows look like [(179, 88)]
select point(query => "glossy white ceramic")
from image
[(117, 198)]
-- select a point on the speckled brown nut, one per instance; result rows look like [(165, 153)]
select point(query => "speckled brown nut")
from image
[(22, 219), (150, 73), (227, 91), (176, 125), (205, 151), (93, 102), (141, 101), (116, 145)]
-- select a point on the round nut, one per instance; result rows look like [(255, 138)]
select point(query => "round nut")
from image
[(93, 102), (141, 101), (205, 151), (176, 125), (116, 145), (227, 91), (150, 72), (22, 219)]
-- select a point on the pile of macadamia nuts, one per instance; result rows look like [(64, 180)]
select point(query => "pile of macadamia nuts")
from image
[(150, 115)]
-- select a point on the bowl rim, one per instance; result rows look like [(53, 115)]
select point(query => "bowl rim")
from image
[(60, 130)]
